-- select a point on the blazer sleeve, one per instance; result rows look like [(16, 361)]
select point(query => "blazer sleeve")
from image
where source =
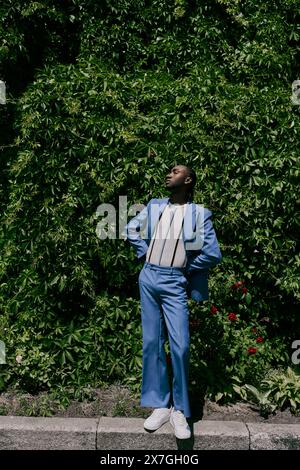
[(210, 253), (133, 229)]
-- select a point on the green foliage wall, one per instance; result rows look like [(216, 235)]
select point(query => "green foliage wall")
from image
[(103, 98)]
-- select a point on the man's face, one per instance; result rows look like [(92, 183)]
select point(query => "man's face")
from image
[(177, 177)]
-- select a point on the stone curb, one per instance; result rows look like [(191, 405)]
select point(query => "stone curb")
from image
[(26, 433)]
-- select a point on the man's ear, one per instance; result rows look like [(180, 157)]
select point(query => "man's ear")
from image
[(188, 180)]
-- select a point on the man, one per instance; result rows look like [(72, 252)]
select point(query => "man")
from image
[(180, 246)]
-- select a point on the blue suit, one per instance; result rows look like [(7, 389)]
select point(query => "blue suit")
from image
[(199, 237), (164, 294)]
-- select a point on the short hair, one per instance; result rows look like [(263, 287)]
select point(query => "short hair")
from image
[(193, 175)]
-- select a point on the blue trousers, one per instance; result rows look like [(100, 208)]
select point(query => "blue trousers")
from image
[(164, 311)]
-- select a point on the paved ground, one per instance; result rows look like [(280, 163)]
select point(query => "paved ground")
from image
[(107, 433)]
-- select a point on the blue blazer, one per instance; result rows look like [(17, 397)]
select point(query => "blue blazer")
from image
[(199, 237)]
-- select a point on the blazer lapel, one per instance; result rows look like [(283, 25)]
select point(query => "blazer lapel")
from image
[(193, 230), (189, 223)]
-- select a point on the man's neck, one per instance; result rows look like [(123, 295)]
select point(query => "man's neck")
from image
[(178, 198)]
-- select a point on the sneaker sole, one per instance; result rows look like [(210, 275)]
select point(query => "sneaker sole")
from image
[(155, 429), (176, 435)]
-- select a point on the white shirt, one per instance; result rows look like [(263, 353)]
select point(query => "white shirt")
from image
[(166, 247)]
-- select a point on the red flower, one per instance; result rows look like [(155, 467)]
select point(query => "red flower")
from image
[(244, 290), (168, 358), (252, 350), (237, 284), (260, 339), (254, 329), (232, 316), (213, 309)]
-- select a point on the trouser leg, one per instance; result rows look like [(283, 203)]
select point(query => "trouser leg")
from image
[(175, 308), (155, 382)]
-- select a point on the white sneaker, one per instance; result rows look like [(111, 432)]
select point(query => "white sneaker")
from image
[(180, 425), (158, 417)]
